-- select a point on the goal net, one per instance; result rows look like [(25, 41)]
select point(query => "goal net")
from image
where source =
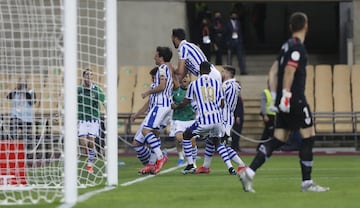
[(32, 98)]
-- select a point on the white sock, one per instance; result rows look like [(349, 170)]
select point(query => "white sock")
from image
[(153, 158), (250, 173), (207, 161), (306, 183), (238, 160), (181, 155)]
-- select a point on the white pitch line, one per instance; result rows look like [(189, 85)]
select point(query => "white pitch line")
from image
[(86, 196), (150, 176)]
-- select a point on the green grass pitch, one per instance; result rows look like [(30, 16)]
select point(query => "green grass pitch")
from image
[(277, 184)]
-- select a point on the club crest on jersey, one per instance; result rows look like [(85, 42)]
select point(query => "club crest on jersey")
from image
[(295, 55)]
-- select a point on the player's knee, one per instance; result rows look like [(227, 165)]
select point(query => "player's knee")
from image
[(145, 131), (179, 137), (266, 149), (262, 148), (91, 145), (187, 135)]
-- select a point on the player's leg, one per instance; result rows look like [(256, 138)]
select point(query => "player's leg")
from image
[(177, 135), (306, 161), (138, 144), (221, 149), (188, 134), (209, 153), (94, 131), (194, 149), (265, 150), (235, 157), (151, 123), (156, 120), (179, 148), (91, 153), (146, 156), (82, 134), (187, 146)]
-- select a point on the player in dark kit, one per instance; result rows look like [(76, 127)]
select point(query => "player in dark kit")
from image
[(287, 76)]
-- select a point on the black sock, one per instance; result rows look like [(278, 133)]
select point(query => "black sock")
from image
[(265, 151), (306, 158), (258, 161)]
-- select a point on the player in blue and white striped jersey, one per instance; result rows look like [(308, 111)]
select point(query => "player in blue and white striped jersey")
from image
[(160, 114), (231, 89), (209, 97), (190, 57), (143, 152)]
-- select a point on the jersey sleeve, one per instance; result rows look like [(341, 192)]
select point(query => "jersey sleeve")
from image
[(101, 95), (163, 71), (183, 53), (220, 92), (295, 55)]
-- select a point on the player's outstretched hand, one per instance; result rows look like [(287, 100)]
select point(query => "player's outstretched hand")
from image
[(285, 101)]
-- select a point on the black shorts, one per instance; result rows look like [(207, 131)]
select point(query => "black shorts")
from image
[(299, 117)]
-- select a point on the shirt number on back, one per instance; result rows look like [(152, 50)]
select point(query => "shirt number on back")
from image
[(208, 94)]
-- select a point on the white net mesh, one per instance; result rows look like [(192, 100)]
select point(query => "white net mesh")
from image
[(32, 97)]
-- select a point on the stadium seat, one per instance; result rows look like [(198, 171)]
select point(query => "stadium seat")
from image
[(342, 99), (125, 100), (143, 74), (126, 85), (355, 89), (127, 76), (323, 99), (143, 82), (309, 88)]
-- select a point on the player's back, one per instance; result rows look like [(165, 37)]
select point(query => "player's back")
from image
[(208, 94), (193, 56), (293, 53), (231, 93)]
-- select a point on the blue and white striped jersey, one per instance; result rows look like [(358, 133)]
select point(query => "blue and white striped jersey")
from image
[(164, 98), (231, 92), (207, 93), (193, 56)]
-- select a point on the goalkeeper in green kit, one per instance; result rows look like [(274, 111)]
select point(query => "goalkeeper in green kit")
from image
[(90, 96)]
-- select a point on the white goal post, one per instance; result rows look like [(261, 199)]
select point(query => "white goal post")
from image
[(46, 46)]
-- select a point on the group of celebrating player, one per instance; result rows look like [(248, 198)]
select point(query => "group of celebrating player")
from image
[(205, 108)]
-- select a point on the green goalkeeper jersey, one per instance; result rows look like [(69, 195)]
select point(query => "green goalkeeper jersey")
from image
[(89, 100), (183, 114)]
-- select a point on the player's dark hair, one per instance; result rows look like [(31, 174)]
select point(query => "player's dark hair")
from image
[(153, 71), (297, 21), (205, 67), (86, 70), (23, 83), (179, 33), (230, 69), (164, 52)]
